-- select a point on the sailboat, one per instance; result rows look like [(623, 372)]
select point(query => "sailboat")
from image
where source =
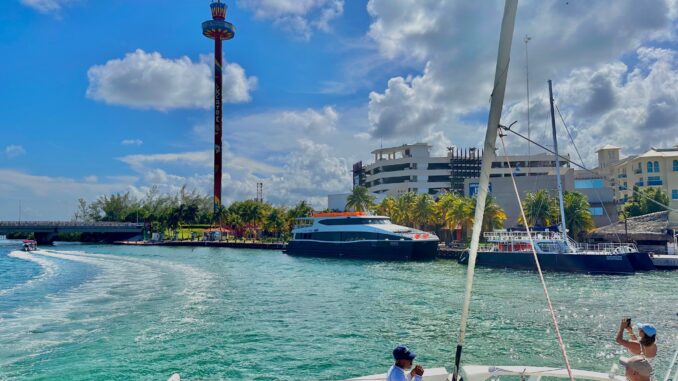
[(556, 250), (487, 372)]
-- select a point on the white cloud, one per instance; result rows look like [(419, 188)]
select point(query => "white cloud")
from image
[(14, 150), (91, 179), (132, 142), (312, 120), (456, 48), (147, 80), (45, 6), (299, 17), (47, 197)]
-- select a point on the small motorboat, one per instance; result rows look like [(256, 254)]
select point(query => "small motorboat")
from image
[(30, 245)]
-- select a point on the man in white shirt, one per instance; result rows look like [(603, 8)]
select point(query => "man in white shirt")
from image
[(403, 357)]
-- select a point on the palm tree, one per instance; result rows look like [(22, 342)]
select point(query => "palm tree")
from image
[(540, 209), (387, 206), (578, 217), (360, 200), (494, 216), (423, 211), (403, 211), (462, 213)]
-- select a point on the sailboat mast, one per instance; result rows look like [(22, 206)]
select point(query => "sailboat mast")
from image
[(496, 104), (563, 228)]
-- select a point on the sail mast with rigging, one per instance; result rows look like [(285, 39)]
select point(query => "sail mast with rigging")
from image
[(496, 104), (563, 227)]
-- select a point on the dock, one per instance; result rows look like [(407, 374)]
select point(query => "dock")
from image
[(665, 262)]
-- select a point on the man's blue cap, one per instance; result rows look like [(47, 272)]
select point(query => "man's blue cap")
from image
[(403, 353), (649, 329)]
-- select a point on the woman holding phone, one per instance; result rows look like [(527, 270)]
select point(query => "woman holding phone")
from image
[(645, 345)]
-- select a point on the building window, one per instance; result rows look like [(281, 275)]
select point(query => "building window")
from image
[(589, 183), (656, 167), (649, 167), (640, 182), (597, 211), (675, 166), (674, 194), (654, 180)]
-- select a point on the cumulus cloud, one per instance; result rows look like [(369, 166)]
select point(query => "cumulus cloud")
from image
[(48, 197), (45, 6), (300, 17), (148, 80), (14, 150), (132, 142), (312, 120), (456, 49)]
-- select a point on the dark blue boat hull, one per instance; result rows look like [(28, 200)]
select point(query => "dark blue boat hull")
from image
[(380, 250), (578, 263)]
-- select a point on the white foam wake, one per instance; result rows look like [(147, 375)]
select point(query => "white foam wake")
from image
[(48, 269)]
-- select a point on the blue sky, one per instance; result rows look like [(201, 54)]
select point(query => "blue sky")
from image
[(100, 97)]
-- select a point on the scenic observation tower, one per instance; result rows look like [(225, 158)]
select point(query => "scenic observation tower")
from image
[(218, 29)]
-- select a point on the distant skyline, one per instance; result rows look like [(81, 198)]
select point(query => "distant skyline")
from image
[(101, 97)]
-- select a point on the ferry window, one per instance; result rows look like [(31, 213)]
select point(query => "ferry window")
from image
[(355, 221), (326, 236)]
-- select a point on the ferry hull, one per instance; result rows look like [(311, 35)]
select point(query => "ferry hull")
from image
[(577, 263), (380, 250)]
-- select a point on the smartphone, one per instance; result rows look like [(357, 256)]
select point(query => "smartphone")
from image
[(628, 322)]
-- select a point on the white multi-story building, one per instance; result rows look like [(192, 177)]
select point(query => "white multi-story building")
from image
[(411, 168)]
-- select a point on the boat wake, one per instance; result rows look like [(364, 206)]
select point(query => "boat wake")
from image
[(48, 270), (165, 295)]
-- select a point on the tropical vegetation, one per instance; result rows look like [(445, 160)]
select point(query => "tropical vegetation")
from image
[(541, 209), (192, 211), (645, 201), (360, 200)]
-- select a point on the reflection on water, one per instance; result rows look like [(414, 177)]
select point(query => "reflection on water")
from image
[(107, 312)]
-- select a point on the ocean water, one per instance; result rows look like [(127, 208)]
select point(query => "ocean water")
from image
[(95, 312)]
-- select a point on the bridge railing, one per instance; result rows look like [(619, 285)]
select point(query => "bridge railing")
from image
[(99, 224)]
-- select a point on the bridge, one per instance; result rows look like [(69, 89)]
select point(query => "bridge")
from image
[(47, 232)]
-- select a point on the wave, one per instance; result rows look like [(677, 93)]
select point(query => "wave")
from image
[(48, 269), (171, 295)]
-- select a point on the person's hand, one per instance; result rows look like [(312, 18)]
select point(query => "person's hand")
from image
[(417, 371), (622, 325)]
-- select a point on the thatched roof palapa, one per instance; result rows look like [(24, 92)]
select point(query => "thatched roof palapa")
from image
[(648, 227)]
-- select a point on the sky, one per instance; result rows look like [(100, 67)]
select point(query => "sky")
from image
[(101, 97)]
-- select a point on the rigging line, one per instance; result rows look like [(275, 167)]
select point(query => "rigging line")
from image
[(536, 261), (576, 149), (586, 169)]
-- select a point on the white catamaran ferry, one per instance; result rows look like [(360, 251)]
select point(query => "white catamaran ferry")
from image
[(358, 235)]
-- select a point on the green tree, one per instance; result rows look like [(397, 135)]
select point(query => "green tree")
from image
[(494, 216), (404, 208), (423, 210), (360, 200), (578, 217), (645, 201), (540, 209), (387, 206)]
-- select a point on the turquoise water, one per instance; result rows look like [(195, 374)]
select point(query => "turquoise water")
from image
[(84, 312)]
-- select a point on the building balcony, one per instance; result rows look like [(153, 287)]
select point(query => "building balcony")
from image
[(638, 171), (621, 176)]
